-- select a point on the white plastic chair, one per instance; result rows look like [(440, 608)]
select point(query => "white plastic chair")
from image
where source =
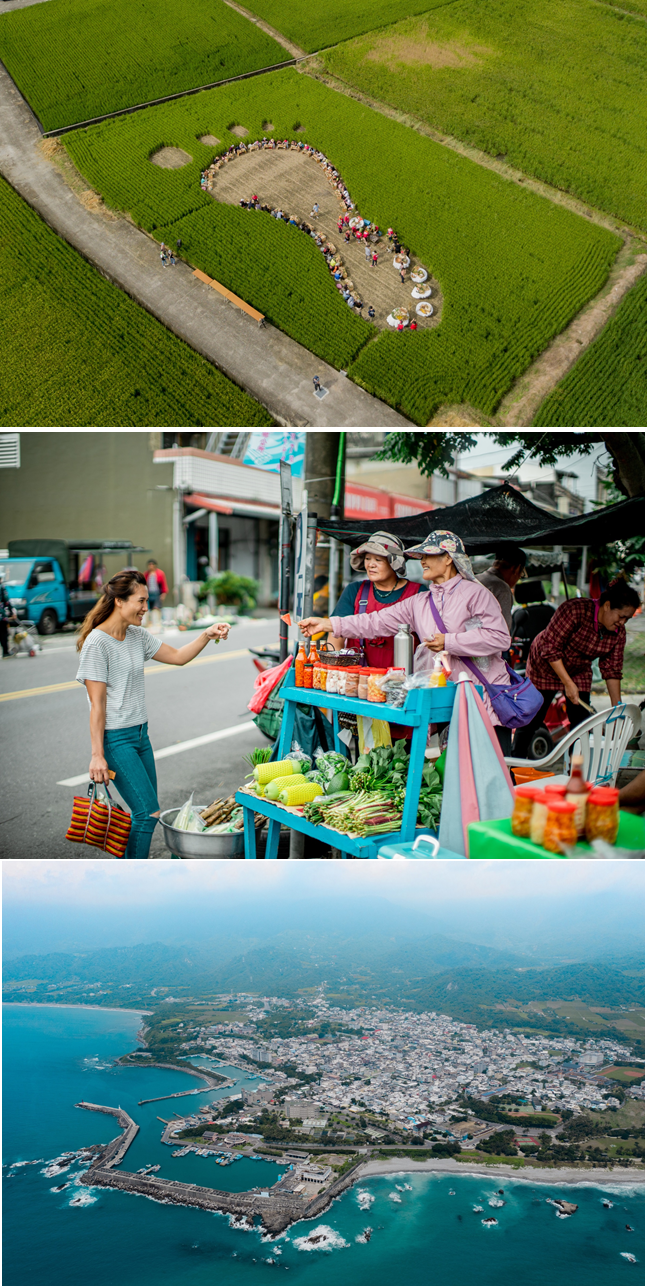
[(601, 740)]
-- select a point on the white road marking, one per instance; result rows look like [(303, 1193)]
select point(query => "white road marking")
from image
[(176, 749)]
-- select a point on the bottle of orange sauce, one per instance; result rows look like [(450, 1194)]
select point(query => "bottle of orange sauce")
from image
[(299, 666), (577, 792)]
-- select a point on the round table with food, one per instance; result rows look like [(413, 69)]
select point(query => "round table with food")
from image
[(425, 310), (419, 275), (401, 261), (397, 316), (421, 292)]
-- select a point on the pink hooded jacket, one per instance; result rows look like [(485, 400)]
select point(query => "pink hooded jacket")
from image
[(457, 601)]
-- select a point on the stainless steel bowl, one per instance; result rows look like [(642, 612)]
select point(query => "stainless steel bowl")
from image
[(196, 844)]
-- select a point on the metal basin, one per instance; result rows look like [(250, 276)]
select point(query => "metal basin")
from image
[(194, 844)]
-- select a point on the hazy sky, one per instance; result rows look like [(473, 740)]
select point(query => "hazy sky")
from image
[(98, 882)]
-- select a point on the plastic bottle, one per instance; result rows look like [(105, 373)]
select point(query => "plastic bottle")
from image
[(577, 792), (298, 667), (438, 678)]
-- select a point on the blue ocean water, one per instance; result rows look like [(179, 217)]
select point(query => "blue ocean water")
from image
[(54, 1057)]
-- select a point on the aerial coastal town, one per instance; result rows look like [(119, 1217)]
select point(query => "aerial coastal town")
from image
[(407, 1068)]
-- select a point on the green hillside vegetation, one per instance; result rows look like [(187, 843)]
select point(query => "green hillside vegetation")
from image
[(608, 384), (82, 352), (555, 87), (513, 267), (78, 59)]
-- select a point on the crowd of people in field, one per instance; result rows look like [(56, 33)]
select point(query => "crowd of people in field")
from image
[(351, 227)]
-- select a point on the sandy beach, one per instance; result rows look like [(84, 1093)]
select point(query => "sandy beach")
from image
[(445, 1165), (44, 1004)]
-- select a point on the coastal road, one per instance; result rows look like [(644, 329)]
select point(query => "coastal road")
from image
[(46, 739)]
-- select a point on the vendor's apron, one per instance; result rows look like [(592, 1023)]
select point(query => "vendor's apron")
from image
[(379, 651)]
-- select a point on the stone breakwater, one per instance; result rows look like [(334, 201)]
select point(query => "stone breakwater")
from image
[(276, 1210)]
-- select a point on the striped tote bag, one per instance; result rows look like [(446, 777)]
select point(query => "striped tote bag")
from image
[(104, 826)]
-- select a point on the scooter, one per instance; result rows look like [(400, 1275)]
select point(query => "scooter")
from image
[(264, 657)]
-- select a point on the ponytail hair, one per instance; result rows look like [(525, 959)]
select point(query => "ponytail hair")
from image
[(120, 586), (620, 594)]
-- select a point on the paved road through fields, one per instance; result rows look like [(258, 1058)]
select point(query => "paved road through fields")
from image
[(46, 739)]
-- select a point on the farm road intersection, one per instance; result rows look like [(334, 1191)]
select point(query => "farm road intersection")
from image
[(188, 707), (268, 364)]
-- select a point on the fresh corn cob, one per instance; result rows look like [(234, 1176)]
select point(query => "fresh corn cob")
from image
[(267, 772), (300, 794), (274, 787)]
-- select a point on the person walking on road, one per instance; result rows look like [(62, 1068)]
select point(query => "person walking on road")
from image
[(367, 253), (7, 616), (317, 383), (374, 259), (157, 588), (114, 649)]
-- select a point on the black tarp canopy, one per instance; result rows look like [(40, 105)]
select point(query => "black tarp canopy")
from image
[(499, 514)]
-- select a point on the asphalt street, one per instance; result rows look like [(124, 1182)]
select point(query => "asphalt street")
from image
[(46, 739)]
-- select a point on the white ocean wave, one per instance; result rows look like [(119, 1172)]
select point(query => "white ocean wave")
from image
[(395, 1196), (478, 1210), (52, 1171), (625, 1254), (15, 1165), (84, 1198), (495, 1202), (490, 1223), (321, 1238), (364, 1199)]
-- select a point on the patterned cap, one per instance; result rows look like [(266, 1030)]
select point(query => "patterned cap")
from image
[(444, 542), (384, 545)]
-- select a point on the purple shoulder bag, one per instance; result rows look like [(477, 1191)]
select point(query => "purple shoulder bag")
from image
[(515, 704)]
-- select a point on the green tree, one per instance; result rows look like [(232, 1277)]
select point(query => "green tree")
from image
[(435, 452)]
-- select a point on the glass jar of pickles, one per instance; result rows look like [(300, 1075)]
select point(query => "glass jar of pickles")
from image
[(602, 814), (540, 810), (375, 693), (560, 831), (524, 798)]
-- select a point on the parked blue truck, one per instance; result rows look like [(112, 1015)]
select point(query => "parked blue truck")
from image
[(42, 577)]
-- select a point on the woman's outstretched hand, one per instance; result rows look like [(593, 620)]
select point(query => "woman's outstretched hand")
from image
[(315, 625), (218, 632)]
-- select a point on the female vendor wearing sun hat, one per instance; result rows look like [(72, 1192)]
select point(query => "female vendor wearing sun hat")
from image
[(474, 624), (381, 558)]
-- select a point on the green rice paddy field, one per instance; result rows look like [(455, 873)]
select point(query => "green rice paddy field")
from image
[(77, 59), (513, 267), (608, 385), (554, 87), (81, 352)]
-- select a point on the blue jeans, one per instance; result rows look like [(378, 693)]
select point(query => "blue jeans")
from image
[(129, 753)]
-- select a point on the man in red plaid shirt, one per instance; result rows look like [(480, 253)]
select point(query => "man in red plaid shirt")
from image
[(560, 657)]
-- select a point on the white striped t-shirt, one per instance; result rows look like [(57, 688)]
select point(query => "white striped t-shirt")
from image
[(120, 665)]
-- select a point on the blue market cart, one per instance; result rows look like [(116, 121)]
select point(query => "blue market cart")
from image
[(423, 706)]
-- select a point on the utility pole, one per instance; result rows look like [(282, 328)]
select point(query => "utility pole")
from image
[(324, 478)]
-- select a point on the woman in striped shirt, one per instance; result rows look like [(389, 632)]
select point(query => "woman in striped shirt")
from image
[(114, 649)]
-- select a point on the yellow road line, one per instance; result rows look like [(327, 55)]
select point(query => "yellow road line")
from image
[(149, 669)]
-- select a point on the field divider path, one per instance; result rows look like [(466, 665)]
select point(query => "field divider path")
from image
[(273, 368), (295, 50), (520, 405)]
